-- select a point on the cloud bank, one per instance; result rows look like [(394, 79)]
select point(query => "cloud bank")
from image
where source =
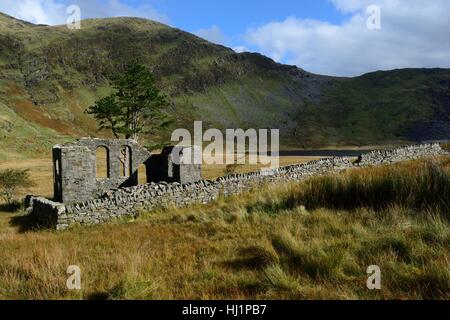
[(213, 34), (53, 12), (414, 33)]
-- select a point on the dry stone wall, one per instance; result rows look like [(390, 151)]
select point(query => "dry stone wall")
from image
[(380, 157), (75, 167), (130, 201)]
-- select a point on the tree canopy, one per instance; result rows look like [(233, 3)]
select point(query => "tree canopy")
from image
[(12, 180), (136, 106)]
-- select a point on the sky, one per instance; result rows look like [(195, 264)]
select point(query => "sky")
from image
[(333, 37)]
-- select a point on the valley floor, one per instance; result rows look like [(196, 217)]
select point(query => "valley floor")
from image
[(292, 241), (41, 171)]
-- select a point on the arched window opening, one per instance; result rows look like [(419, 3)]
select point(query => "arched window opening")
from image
[(102, 163), (57, 179), (125, 162), (57, 167), (142, 174)]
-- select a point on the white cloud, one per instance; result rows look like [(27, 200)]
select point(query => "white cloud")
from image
[(53, 12), (35, 11), (349, 6), (240, 49), (413, 34), (213, 34)]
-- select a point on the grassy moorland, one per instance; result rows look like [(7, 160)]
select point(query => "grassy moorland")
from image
[(306, 240)]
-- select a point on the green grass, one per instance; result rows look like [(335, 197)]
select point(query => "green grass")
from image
[(380, 106), (256, 245), (212, 83), (20, 139), (251, 102)]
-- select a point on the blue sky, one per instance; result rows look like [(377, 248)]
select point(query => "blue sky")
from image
[(234, 17), (323, 36)]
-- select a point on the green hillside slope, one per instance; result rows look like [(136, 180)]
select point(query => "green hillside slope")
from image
[(398, 105), (20, 138)]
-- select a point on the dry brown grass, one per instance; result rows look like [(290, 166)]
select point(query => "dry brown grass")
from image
[(41, 172), (42, 175), (236, 248), (216, 171), (27, 110), (137, 260)]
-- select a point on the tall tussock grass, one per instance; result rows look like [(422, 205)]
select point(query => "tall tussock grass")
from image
[(396, 217), (307, 240), (445, 146), (420, 186)]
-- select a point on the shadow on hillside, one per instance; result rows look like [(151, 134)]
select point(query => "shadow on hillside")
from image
[(26, 223)]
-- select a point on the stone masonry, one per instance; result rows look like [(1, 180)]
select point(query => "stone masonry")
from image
[(130, 201), (75, 176)]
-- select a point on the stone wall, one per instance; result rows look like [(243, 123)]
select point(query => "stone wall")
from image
[(44, 212), (183, 170), (130, 201), (380, 157), (75, 167)]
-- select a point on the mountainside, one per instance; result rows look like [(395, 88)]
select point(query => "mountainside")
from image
[(49, 75), (400, 105)]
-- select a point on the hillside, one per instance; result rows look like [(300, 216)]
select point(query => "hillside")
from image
[(49, 75), (397, 105)]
